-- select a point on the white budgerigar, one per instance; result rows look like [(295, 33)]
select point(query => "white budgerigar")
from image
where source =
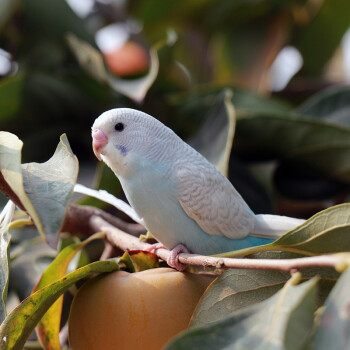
[(181, 197)]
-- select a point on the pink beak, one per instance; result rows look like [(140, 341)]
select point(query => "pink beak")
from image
[(99, 140)]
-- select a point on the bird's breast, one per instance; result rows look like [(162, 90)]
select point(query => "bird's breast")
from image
[(148, 188)]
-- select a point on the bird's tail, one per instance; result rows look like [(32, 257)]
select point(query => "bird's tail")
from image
[(273, 226)]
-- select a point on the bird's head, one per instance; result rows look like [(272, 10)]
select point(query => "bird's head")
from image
[(123, 134)]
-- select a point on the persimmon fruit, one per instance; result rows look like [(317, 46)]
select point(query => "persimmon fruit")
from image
[(129, 60), (141, 310)]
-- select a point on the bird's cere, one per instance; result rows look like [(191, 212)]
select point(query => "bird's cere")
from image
[(99, 140)]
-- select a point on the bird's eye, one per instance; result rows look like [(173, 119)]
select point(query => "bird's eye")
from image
[(119, 127)]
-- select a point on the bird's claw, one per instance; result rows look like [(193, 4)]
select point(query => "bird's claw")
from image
[(173, 259)]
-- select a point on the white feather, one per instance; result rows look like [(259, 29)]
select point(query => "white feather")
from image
[(273, 226)]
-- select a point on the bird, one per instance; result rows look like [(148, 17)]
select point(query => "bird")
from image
[(183, 200)]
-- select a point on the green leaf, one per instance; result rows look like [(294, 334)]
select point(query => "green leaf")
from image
[(10, 95), (198, 103), (29, 258), (4, 272), (303, 183), (88, 57), (298, 140), (44, 190), (11, 171), (21, 321), (325, 232), (139, 260), (236, 289), (332, 330), (57, 95), (280, 322), (58, 19), (92, 61), (50, 185), (332, 105), (214, 139), (147, 236), (49, 326), (328, 275)]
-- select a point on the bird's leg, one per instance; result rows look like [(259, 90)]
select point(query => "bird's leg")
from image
[(173, 259), (153, 247)]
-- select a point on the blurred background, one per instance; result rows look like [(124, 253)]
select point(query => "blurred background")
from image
[(287, 63)]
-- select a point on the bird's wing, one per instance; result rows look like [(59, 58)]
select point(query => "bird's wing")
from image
[(209, 198)]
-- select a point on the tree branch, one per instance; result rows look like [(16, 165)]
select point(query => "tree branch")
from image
[(77, 220), (124, 241)]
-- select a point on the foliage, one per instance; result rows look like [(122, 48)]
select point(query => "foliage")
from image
[(209, 79), (280, 321)]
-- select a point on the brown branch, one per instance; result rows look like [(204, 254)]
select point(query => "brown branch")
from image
[(126, 242), (109, 251), (77, 220), (116, 236)]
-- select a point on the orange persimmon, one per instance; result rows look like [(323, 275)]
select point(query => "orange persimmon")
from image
[(128, 60), (141, 310)]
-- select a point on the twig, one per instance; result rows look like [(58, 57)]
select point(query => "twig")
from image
[(126, 242), (109, 251), (116, 236), (77, 220)]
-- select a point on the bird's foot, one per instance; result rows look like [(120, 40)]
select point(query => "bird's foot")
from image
[(153, 247), (173, 259)]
